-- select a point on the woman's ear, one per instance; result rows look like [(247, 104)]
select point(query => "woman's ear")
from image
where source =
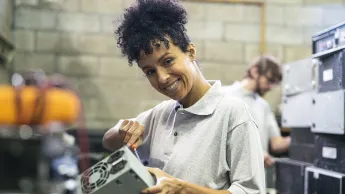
[(192, 51)]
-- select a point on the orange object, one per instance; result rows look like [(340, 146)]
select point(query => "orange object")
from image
[(22, 106)]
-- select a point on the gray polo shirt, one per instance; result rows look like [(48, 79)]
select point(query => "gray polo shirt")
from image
[(261, 112), (212, 143)]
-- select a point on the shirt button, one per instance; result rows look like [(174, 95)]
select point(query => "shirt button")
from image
[(175, 134)]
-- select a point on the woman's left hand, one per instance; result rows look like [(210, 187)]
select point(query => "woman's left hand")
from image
[(165, 183)]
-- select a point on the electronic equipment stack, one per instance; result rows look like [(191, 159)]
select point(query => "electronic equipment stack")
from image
[(314, 109)]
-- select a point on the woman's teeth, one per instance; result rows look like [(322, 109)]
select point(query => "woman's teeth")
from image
[(172, 86)]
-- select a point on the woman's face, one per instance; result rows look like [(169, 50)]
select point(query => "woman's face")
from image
[(170, 71)]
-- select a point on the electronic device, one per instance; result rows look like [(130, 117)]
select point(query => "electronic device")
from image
[(290, 176), (327, 113), (331, 71), (299, 82), (331, 152), (329, 40), (323, 181), (120, 173), (302, 147)]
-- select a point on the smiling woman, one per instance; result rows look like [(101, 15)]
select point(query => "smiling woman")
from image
[(200, 141)]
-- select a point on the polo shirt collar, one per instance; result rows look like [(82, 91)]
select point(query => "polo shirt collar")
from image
[(244, 92), (208, 103)]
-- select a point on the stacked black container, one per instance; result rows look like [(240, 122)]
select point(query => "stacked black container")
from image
[(314, 109)]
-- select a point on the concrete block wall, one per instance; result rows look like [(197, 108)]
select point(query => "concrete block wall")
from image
[(6, 19), (75, 37)]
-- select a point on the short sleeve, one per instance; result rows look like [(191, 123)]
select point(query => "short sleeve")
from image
[(273, 127), (245, 159)]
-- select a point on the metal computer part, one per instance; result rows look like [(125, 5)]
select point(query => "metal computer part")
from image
[(299, 84), (120, 173), (327, 113)]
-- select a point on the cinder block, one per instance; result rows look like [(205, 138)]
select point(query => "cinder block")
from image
[(323, 2), (243, 32), (26, 2), (6, 33), (274, 97), (88, 87), (66, 5), (205, 30), (42, 19), (233, 72), (200, 49), (251, 52), (109, 23), (127, 3), (224, 12), (102, 7), (226, 72), (116, 67), (224, 51), (286, 2), (78, 65), (212, 70), (27, 61), (303, 16), (252, 14), (78, 22), (9, 14), (275, 14), (308, 32), (297, 52), (69, 43), (277, 50), (47, 41), (4, 79), (195, 11), (333, 15), (100, 44), (24, 40), (284, 35)]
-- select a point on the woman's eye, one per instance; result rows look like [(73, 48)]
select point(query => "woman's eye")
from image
[(149, 72), (168, 62)]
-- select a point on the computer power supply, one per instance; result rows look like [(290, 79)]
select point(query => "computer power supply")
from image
[(120, 173)]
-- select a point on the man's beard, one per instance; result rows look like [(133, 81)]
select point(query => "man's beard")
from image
[(257, 89)]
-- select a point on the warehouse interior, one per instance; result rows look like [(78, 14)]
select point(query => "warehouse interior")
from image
[(73, 43)]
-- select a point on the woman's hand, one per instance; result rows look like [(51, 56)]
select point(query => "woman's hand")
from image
[(165, 183), (131, 133)]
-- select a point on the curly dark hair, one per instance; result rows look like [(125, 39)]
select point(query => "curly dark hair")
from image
[(149, 22)]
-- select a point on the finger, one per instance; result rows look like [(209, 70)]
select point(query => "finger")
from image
[(136, 135), (124, 131), (129, 132), (153, 189), (138, 142)]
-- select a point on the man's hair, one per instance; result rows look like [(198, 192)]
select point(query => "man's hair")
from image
[(265, 64), (148, 22)]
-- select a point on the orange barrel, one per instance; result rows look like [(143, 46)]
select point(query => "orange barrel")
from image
[(58, 105)]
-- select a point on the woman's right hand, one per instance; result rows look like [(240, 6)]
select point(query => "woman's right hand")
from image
[(131, 133)]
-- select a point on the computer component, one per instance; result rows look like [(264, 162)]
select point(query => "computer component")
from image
[(302, 147), (299, 82), (290, 176), (120, 173), (327, 112), (331, 71), (331, 152), (329, 40), (323, 181)]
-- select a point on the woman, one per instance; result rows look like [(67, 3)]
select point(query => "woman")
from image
[(200, 141)]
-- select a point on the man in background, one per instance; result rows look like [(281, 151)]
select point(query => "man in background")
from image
[(262, 75)]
